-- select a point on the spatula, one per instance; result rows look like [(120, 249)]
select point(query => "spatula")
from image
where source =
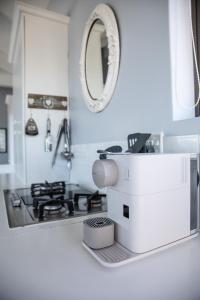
[(48, 138)]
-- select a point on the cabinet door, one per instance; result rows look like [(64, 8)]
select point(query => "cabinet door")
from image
[(18, 109), (46, 56)]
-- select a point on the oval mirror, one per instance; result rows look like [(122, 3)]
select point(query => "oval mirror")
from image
[(99, 58)]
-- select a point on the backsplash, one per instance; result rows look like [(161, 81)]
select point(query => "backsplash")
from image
[(86, 154), (182, 143)]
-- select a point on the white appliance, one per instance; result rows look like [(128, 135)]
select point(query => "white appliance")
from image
[(153, 198)]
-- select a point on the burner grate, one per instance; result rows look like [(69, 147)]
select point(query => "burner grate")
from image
[(40, 205), (43, 189)]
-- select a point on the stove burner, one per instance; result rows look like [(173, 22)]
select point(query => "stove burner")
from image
[(93, 201), (53, 208), (43, 189), (51, 205)]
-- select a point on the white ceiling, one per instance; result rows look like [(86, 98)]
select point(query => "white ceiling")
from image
[(6, 12)]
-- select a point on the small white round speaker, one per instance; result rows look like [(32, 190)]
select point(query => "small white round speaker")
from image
[(98, 232), (105, 172)]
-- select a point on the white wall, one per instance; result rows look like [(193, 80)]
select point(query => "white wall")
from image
[(18, 108), (46, 57), (46, 72), (40, 67)]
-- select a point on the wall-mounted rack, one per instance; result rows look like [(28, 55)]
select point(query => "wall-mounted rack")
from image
[(47, 102)]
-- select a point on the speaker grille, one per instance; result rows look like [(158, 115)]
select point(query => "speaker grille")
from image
[(98, 222)]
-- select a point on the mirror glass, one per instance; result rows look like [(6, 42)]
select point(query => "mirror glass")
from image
[(96, 59)]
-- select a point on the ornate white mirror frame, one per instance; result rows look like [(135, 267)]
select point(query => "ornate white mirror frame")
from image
[(105, 14)]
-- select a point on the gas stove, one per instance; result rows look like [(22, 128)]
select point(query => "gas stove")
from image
[(44, 202)]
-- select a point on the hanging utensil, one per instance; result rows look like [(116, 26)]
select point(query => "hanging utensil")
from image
[(60, 131), (65, 153), (64, 130), (48, 138), (31, 127), (67, 144)]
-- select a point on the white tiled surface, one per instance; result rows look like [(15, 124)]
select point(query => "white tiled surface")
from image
[(182, 143)]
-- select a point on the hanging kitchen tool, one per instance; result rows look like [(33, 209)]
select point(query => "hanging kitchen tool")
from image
[(66, 151), (57, 144), (31, 127), (137, 142), (48, 138), (64, 130), (67, 144)]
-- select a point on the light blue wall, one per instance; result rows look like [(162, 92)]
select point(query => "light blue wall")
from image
[(142, 98)]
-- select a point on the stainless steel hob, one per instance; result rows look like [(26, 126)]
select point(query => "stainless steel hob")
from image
[(45, 202)]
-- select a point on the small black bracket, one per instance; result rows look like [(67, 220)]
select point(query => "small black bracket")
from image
[(112, 149)]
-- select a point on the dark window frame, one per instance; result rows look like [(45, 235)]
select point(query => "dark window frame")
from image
[(5, 150)]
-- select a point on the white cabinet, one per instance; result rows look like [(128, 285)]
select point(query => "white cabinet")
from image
[(39, 54), (46, 56)]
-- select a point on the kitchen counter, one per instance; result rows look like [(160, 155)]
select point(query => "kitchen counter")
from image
[(48, 262)]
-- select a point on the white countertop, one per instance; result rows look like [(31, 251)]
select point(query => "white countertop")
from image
[(49, 262)]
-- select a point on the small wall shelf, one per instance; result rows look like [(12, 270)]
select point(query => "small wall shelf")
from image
[(47, 102)]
